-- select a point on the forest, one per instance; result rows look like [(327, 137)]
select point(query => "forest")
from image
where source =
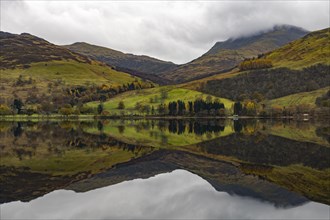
[(270, 83)]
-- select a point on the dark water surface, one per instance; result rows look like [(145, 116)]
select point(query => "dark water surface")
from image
[(247, 169)]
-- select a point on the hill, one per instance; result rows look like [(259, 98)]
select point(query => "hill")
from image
[(312, 49), (153, 98), (288, 76), (24, 49), (142, 66), (308, 98), (270, 83), (34, 71), (224, 56)]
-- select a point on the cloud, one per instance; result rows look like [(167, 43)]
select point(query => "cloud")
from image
[(176, 195), (178, 31)]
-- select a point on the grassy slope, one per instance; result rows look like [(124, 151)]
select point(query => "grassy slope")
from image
[(71, 72), (143, 96), (300, 98), (30, 56), (312, 49)]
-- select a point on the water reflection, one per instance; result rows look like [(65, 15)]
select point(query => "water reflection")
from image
[(179, 194), (283, 164)]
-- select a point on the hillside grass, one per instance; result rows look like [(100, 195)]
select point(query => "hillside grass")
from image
[(312, 49), (143, 96), (300, 98), (64, 73), (71, 161), (72, 72)]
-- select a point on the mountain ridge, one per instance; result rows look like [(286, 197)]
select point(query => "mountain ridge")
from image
[(139, 63), (225, 55)]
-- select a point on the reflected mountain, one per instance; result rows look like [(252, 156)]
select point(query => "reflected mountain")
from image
[(243, 158), (222, 176)]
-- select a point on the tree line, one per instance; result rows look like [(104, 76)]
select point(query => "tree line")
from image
[(199, 107), (255, 63)]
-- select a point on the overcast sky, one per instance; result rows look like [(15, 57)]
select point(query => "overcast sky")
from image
[(175, 31)]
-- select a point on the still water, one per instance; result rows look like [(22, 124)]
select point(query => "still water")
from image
[(202, 169)]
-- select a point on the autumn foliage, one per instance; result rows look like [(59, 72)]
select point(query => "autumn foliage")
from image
[(252, 64)]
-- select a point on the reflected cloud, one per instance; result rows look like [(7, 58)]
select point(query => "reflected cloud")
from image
[(179, 194)]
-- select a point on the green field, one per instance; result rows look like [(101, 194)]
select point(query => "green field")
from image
[(143, 96), (300, 98)]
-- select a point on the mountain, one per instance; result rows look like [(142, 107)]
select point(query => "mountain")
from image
[(224, 56), (24, 49), (142, 66), (299, 66), (31, 66)]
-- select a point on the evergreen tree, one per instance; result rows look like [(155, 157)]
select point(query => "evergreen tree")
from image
[(100, 108), (121, 105), (18, 105), (238, 108)]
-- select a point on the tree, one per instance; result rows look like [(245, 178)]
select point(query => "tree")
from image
[(146, 109), (258, 96), (181, 107), (237, 108), (18, 105), (172, 108), (66, 110), (163, 94), (208, 99), (138, 107), (161, 109), (100, 108), (250, 107), (103, 98), (250, 64), (121, 105), (190, 107)]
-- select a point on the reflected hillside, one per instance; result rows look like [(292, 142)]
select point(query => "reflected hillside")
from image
[(244, 157), (41, 157), (164, 133)]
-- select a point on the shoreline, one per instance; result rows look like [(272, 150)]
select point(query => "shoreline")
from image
[(137, 117)]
